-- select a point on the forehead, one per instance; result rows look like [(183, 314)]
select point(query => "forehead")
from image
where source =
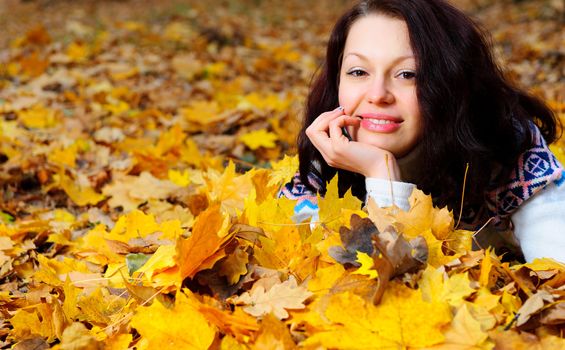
[(377, 34)]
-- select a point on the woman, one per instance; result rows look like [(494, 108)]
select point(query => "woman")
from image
[(410, 93)]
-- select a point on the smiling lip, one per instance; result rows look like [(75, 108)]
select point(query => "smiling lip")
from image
[(392, 124)]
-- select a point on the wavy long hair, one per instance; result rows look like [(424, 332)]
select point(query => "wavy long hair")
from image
[(471, 113)]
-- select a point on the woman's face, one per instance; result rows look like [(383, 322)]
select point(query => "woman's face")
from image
[(378, 84)]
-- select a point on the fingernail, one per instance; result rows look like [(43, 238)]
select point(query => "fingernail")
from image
[(340, 108)]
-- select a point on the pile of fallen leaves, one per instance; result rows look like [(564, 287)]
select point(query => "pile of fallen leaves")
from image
[(241, 274), (140, 162)]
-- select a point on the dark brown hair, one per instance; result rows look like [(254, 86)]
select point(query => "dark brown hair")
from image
[(471, 113)]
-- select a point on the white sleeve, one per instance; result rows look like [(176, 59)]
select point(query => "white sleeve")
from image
[(386, 192), (539, 224)]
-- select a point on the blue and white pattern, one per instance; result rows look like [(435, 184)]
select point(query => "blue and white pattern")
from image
[(537, 167)]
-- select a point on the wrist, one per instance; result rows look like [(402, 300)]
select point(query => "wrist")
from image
[(386, 169)]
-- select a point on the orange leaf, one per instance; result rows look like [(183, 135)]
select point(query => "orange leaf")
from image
[(205, 247)]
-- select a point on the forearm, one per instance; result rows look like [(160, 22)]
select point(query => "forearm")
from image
[(386, 192), (539, 224)]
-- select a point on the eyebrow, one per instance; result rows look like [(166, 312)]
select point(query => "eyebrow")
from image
[(363, 57)]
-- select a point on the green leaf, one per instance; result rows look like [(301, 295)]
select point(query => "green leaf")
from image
[(5, 217), (135, 261)]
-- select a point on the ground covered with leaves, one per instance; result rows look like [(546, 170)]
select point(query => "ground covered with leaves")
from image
[(142, 145)]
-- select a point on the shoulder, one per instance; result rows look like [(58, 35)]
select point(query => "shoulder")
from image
[(536, 169)]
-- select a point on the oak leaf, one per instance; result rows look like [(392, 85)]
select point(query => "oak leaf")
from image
[(277, 300), (130, 191), (356, 239), (234, 265)]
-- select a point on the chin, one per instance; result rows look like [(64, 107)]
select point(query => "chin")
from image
[(379, 144)]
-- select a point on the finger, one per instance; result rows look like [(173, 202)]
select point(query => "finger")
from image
[(336, 125), (323, 119), (319, 138)]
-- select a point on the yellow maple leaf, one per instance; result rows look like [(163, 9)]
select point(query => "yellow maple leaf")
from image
[(38, 117), (402, 319), (542, 264), (271, 215), (135, 224), (422, 215), (80, 194), (325, 278), (64, 156), (438, 287), (464, 333), (44, 319), (118, 342), (266, 102), (179, 178), (367, 265), (159, 325), (332, 206), (486, 266), (283, 170), (203, 113), (259, 138), (117, 107), (559, 152), (77, 52), (101, 307), (229, 188), (274, 334), (161, 260), (71, 296)]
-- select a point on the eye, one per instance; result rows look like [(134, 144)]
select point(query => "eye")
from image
[(407, 74), (357, 72)]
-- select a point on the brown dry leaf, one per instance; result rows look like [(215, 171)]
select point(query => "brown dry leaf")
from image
[(235, 265), (554, 315), (277, 300), (77, 337), (129, 192), (533, 305), (513, 340)]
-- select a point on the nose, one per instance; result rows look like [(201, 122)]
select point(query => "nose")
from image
[(378, 92)]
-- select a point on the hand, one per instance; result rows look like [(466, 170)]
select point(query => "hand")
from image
[(326, 135)]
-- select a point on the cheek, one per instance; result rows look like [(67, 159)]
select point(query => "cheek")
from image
[(348, 98), (409, 103)]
